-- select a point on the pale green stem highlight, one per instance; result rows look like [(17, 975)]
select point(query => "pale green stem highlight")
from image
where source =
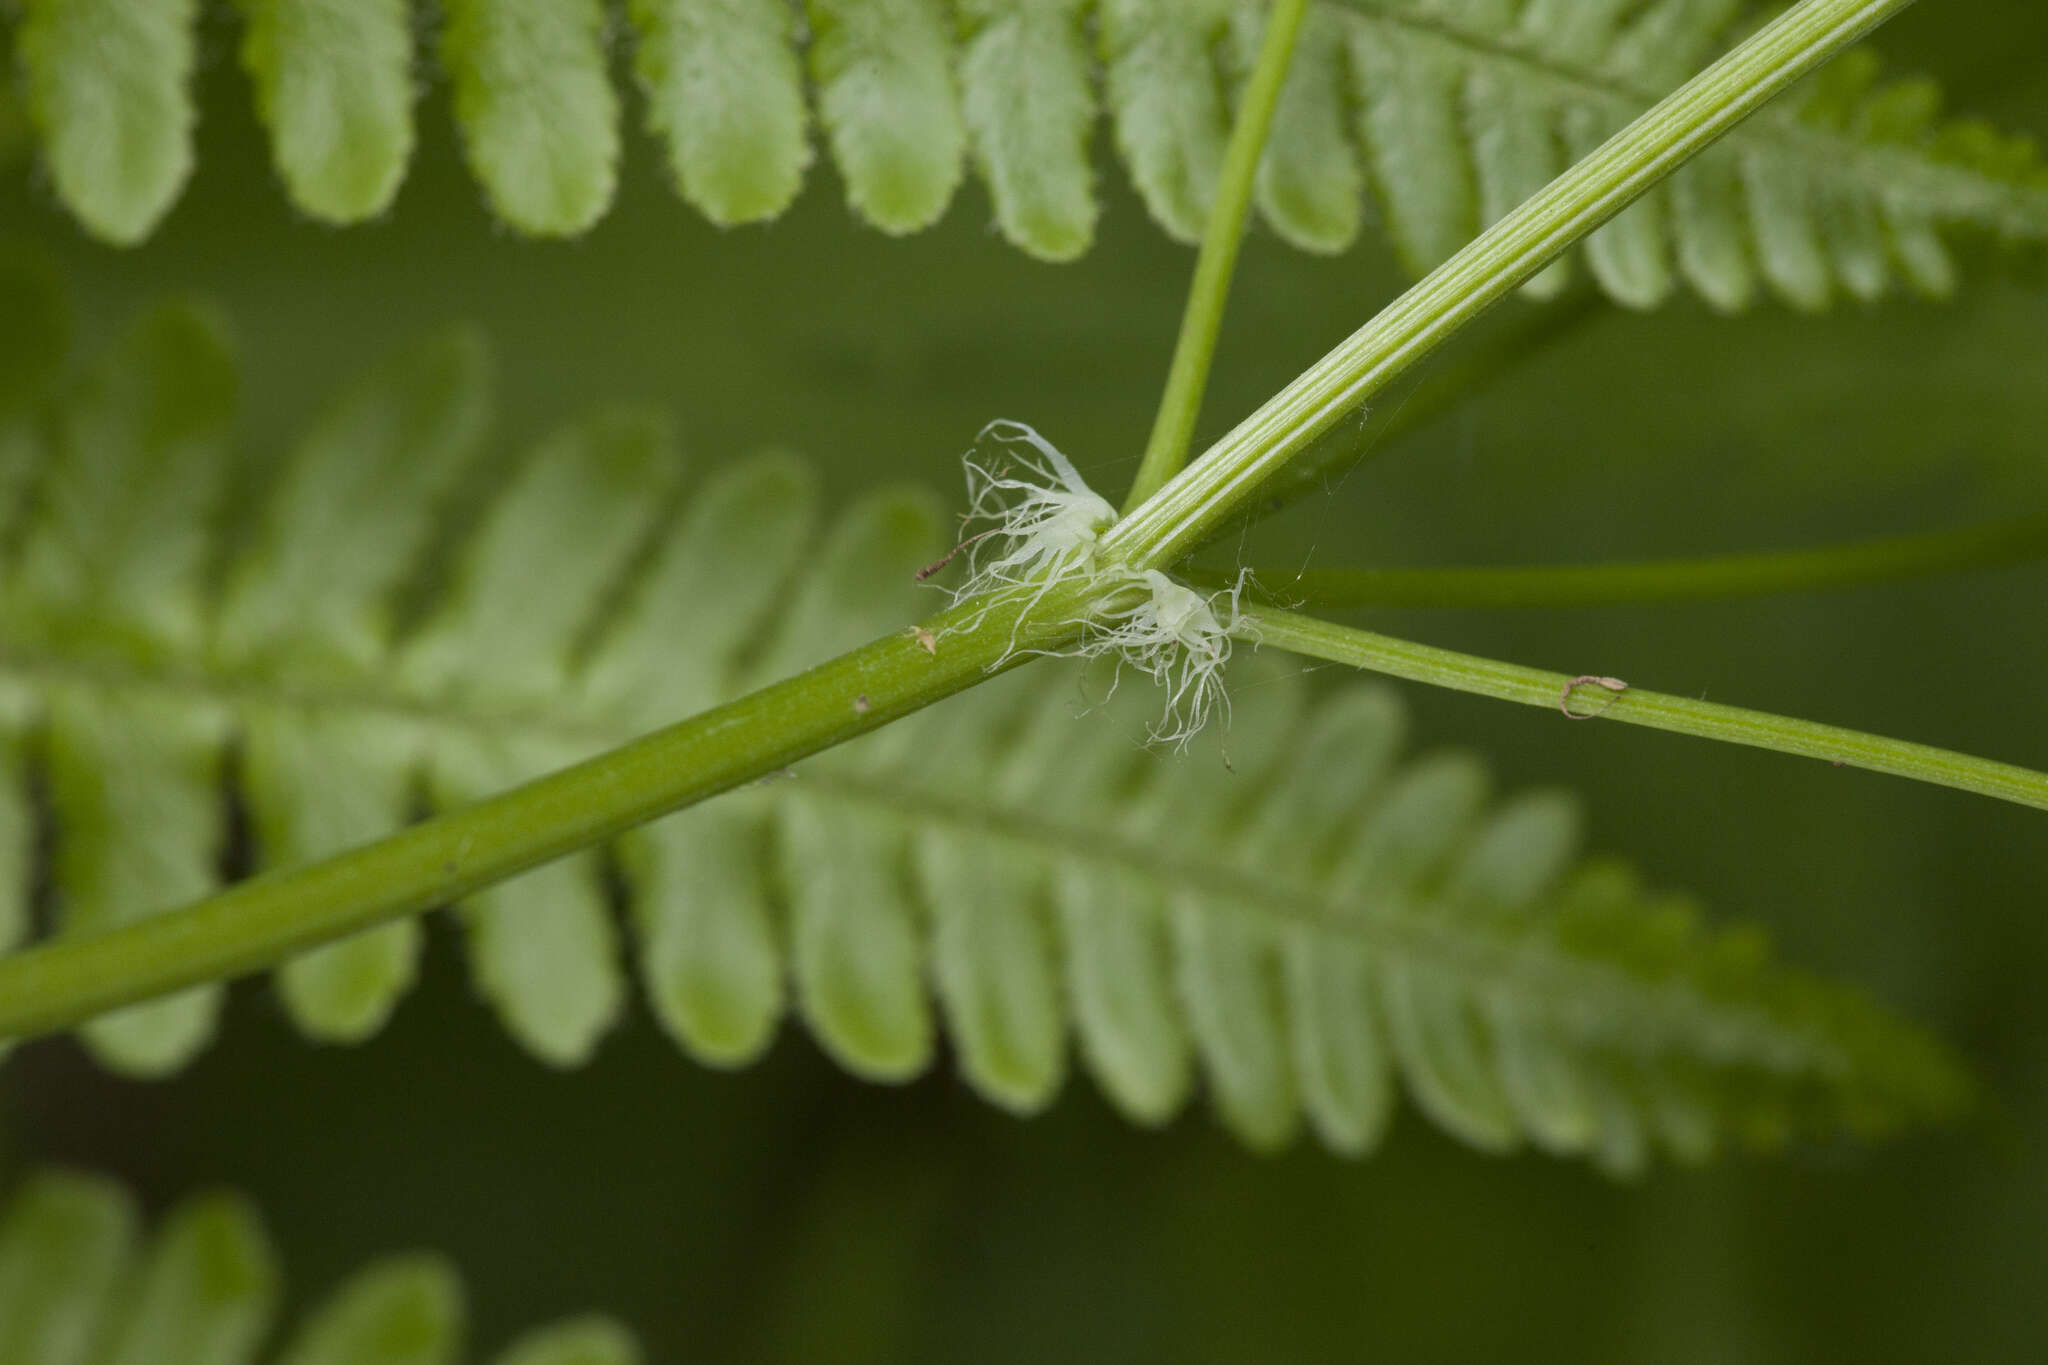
[(1173, 430), (1591, 699), (1202, 497), (1992, 545)]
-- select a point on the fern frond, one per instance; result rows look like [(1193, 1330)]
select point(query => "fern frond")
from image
[(1453, 111), (1016, 863), (78, 1284)]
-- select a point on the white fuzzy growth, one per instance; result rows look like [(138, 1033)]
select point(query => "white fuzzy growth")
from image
[(1048, 528), (1180, 640), (1049, 522)]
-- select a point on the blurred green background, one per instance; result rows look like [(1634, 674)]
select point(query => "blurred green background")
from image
[(789, 1212)]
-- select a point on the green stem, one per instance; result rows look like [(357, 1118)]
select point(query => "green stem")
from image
[(1334, 455), (1636, 706), (268, 918), (1173, 430), (1192, 505), (1992, 545)]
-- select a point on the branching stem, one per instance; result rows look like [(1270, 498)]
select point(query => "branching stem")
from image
[(1202, 497), (269, 918), (1633, 705)]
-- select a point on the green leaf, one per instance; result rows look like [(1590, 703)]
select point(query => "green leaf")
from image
[(584, 1341), (109, 92), (334, 85), (1853, 230), (1514, 154), (31, 348), (540, 122), (709, 958), (1026, 98), (1572, 32), (884, 74), (354, 513), (1919, 252), (1126, 1012), (1630, 255), (1310, 187), (311, 594), (134, 790), (1227, 971), (63, 1245), (402, 1311), (1165, 94), (1408, 92), (995, 968), (1336, 1054), (725, 90), (1310, 923), (1413, 835), (114, 565), (856, 948), (1667, 40), (542, 945), (1783, 219), (207, 1291), (1707, 213), (74, 1290), (116, 557), (319, 782), (1454, 106)]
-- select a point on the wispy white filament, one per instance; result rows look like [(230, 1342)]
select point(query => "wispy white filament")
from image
[(1048, 526), (1048, 521), (1181, 641)]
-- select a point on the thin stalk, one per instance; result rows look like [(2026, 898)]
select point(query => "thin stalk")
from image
[(1588, 699), (1202, 497), (1173, 429), (1991, 545), (264, 920)]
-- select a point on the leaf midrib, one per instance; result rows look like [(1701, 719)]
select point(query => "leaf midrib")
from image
[(1391, 925)]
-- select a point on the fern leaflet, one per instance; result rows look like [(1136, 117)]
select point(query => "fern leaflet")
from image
[(77, 1285), (1452, 111), (1015, 863)]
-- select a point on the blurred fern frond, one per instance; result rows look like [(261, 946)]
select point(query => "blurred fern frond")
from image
[(1304, 930), (78, 1286), (1451, 111)]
